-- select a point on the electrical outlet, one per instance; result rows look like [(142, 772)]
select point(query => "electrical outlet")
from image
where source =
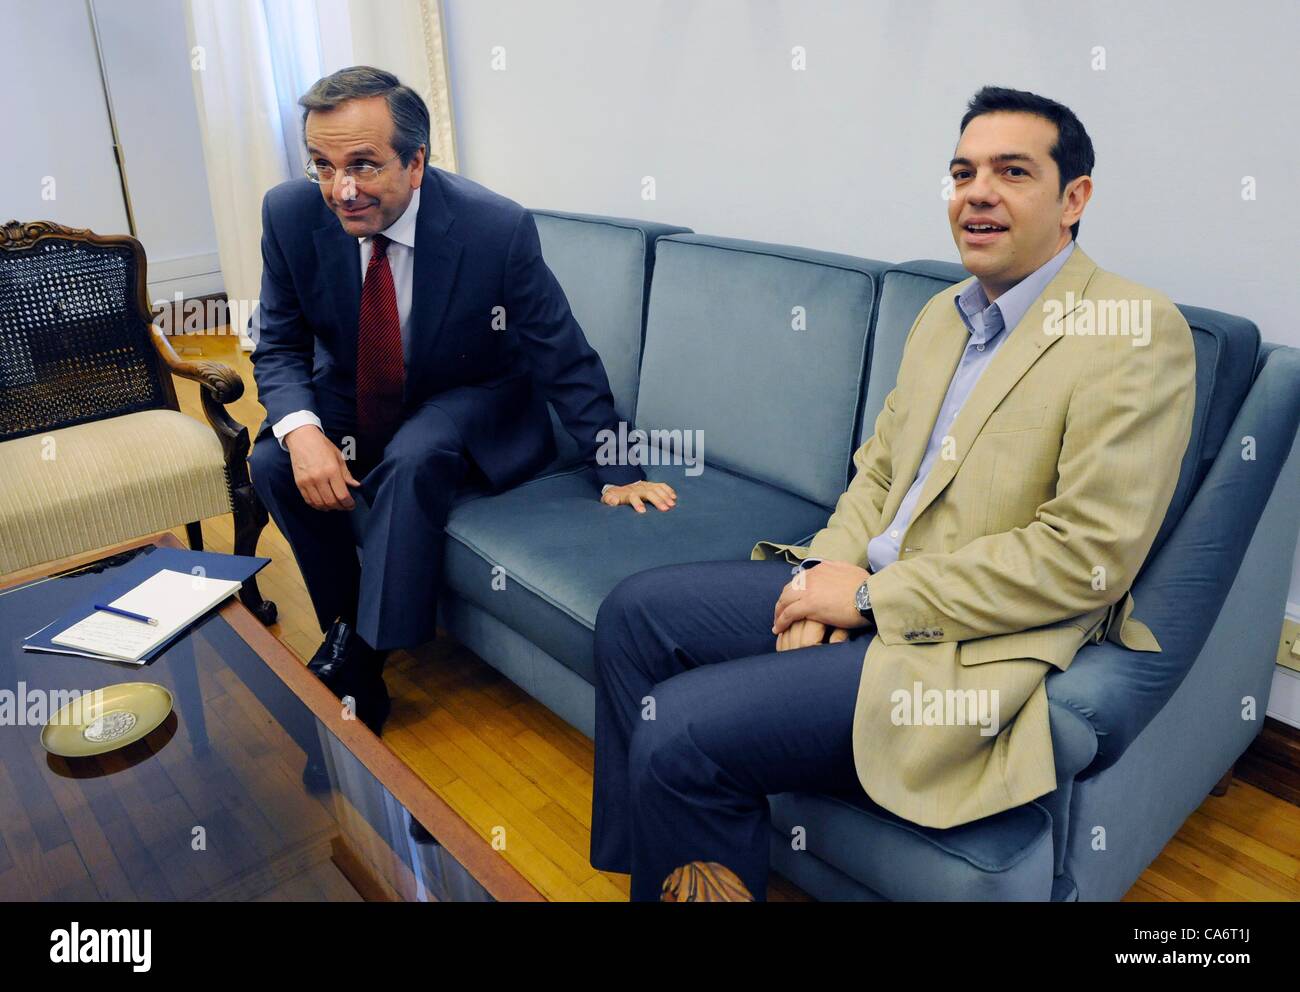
[(1288, 652)]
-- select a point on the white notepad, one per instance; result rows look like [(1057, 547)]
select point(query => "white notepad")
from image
[(174, 599)]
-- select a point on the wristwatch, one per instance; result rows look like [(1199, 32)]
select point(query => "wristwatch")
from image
[(862, 600)]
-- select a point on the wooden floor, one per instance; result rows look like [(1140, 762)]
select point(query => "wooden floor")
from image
[(503, 760)]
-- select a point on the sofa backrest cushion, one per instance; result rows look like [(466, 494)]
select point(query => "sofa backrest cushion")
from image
[(762, 348), (1226, 351), (604, 265)]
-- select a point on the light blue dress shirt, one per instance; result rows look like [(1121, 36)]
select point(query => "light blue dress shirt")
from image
[(986, 322)]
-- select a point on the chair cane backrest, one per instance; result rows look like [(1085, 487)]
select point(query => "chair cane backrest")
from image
[(75, 338)]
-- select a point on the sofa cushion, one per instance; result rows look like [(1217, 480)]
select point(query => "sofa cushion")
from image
[(95, 484), (558, 551), (763, 348), (1001, 858), (604, 265)]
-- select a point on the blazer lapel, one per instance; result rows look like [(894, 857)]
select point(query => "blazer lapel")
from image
[(943, 348), (1028, 342), (437, 260), (340, 270)]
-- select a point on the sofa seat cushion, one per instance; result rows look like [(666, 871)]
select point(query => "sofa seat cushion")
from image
[(84, 487), (1002, 858), (542, 556)]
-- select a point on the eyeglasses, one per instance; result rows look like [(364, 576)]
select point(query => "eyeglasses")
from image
[(358, 173)]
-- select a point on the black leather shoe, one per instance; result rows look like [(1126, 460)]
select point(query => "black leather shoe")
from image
[(332, 658), (350, 667)]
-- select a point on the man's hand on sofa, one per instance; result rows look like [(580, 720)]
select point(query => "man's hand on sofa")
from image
[(806, 633), (824, 594), (637, 494), (319, 469)]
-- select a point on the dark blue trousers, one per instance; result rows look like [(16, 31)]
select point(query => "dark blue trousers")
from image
[(392, 593), (699, 719)]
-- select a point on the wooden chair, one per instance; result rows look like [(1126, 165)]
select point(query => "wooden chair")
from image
[(93, 447)]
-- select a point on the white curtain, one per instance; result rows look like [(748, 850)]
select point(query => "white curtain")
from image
[(252, 59)]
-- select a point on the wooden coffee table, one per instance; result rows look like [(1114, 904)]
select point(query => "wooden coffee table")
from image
[(212, 805)]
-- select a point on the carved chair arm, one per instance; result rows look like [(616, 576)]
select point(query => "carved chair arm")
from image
[(221, 381), (221, 385)]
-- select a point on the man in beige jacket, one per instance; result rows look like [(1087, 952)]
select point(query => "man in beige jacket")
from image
[(1015, 481)]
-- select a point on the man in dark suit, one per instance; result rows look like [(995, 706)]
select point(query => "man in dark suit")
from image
[(408, 337)]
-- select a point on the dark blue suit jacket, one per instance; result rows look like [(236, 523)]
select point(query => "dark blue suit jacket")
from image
[(474, 251)]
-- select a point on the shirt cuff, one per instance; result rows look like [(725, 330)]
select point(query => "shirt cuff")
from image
[(292, 421)]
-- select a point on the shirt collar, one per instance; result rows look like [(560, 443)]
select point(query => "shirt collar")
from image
[(1009, 308), (402, 230)]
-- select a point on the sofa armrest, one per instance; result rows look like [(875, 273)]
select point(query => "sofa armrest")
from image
[(1180, 593), (1115, 691)]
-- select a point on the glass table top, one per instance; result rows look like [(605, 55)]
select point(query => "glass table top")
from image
[(214, 803)]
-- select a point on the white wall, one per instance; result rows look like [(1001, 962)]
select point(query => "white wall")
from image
[(56, 124), (849, 154), (58, 164), (147, 59)]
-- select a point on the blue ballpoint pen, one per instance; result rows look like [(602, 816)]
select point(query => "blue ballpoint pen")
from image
[(127, 613)]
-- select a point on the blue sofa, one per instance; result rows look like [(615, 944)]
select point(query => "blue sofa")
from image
[(699, 333)]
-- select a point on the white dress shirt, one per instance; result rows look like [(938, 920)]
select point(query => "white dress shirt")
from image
[(401, 261)]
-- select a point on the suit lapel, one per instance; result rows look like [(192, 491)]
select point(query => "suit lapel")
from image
[(943, 347), (437, 260), (1028, 342), (340, 268)]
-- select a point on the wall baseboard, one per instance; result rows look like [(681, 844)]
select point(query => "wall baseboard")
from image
[(191, 276)]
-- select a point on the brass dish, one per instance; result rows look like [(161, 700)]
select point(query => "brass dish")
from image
[(106, 719)]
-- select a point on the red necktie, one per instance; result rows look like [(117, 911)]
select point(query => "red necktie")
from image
[(380, 368)]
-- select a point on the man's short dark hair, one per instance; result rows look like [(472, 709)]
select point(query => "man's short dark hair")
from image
[(410, 115), (1072, 151)]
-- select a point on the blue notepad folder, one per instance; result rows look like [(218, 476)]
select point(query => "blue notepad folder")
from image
[(122, 579)]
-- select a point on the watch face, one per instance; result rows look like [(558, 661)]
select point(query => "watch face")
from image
[(863, 600)]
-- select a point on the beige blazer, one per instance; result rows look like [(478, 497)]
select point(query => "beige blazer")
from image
[(1027, 536)]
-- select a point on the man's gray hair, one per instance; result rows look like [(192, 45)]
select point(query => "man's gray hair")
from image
[(410, 115)]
